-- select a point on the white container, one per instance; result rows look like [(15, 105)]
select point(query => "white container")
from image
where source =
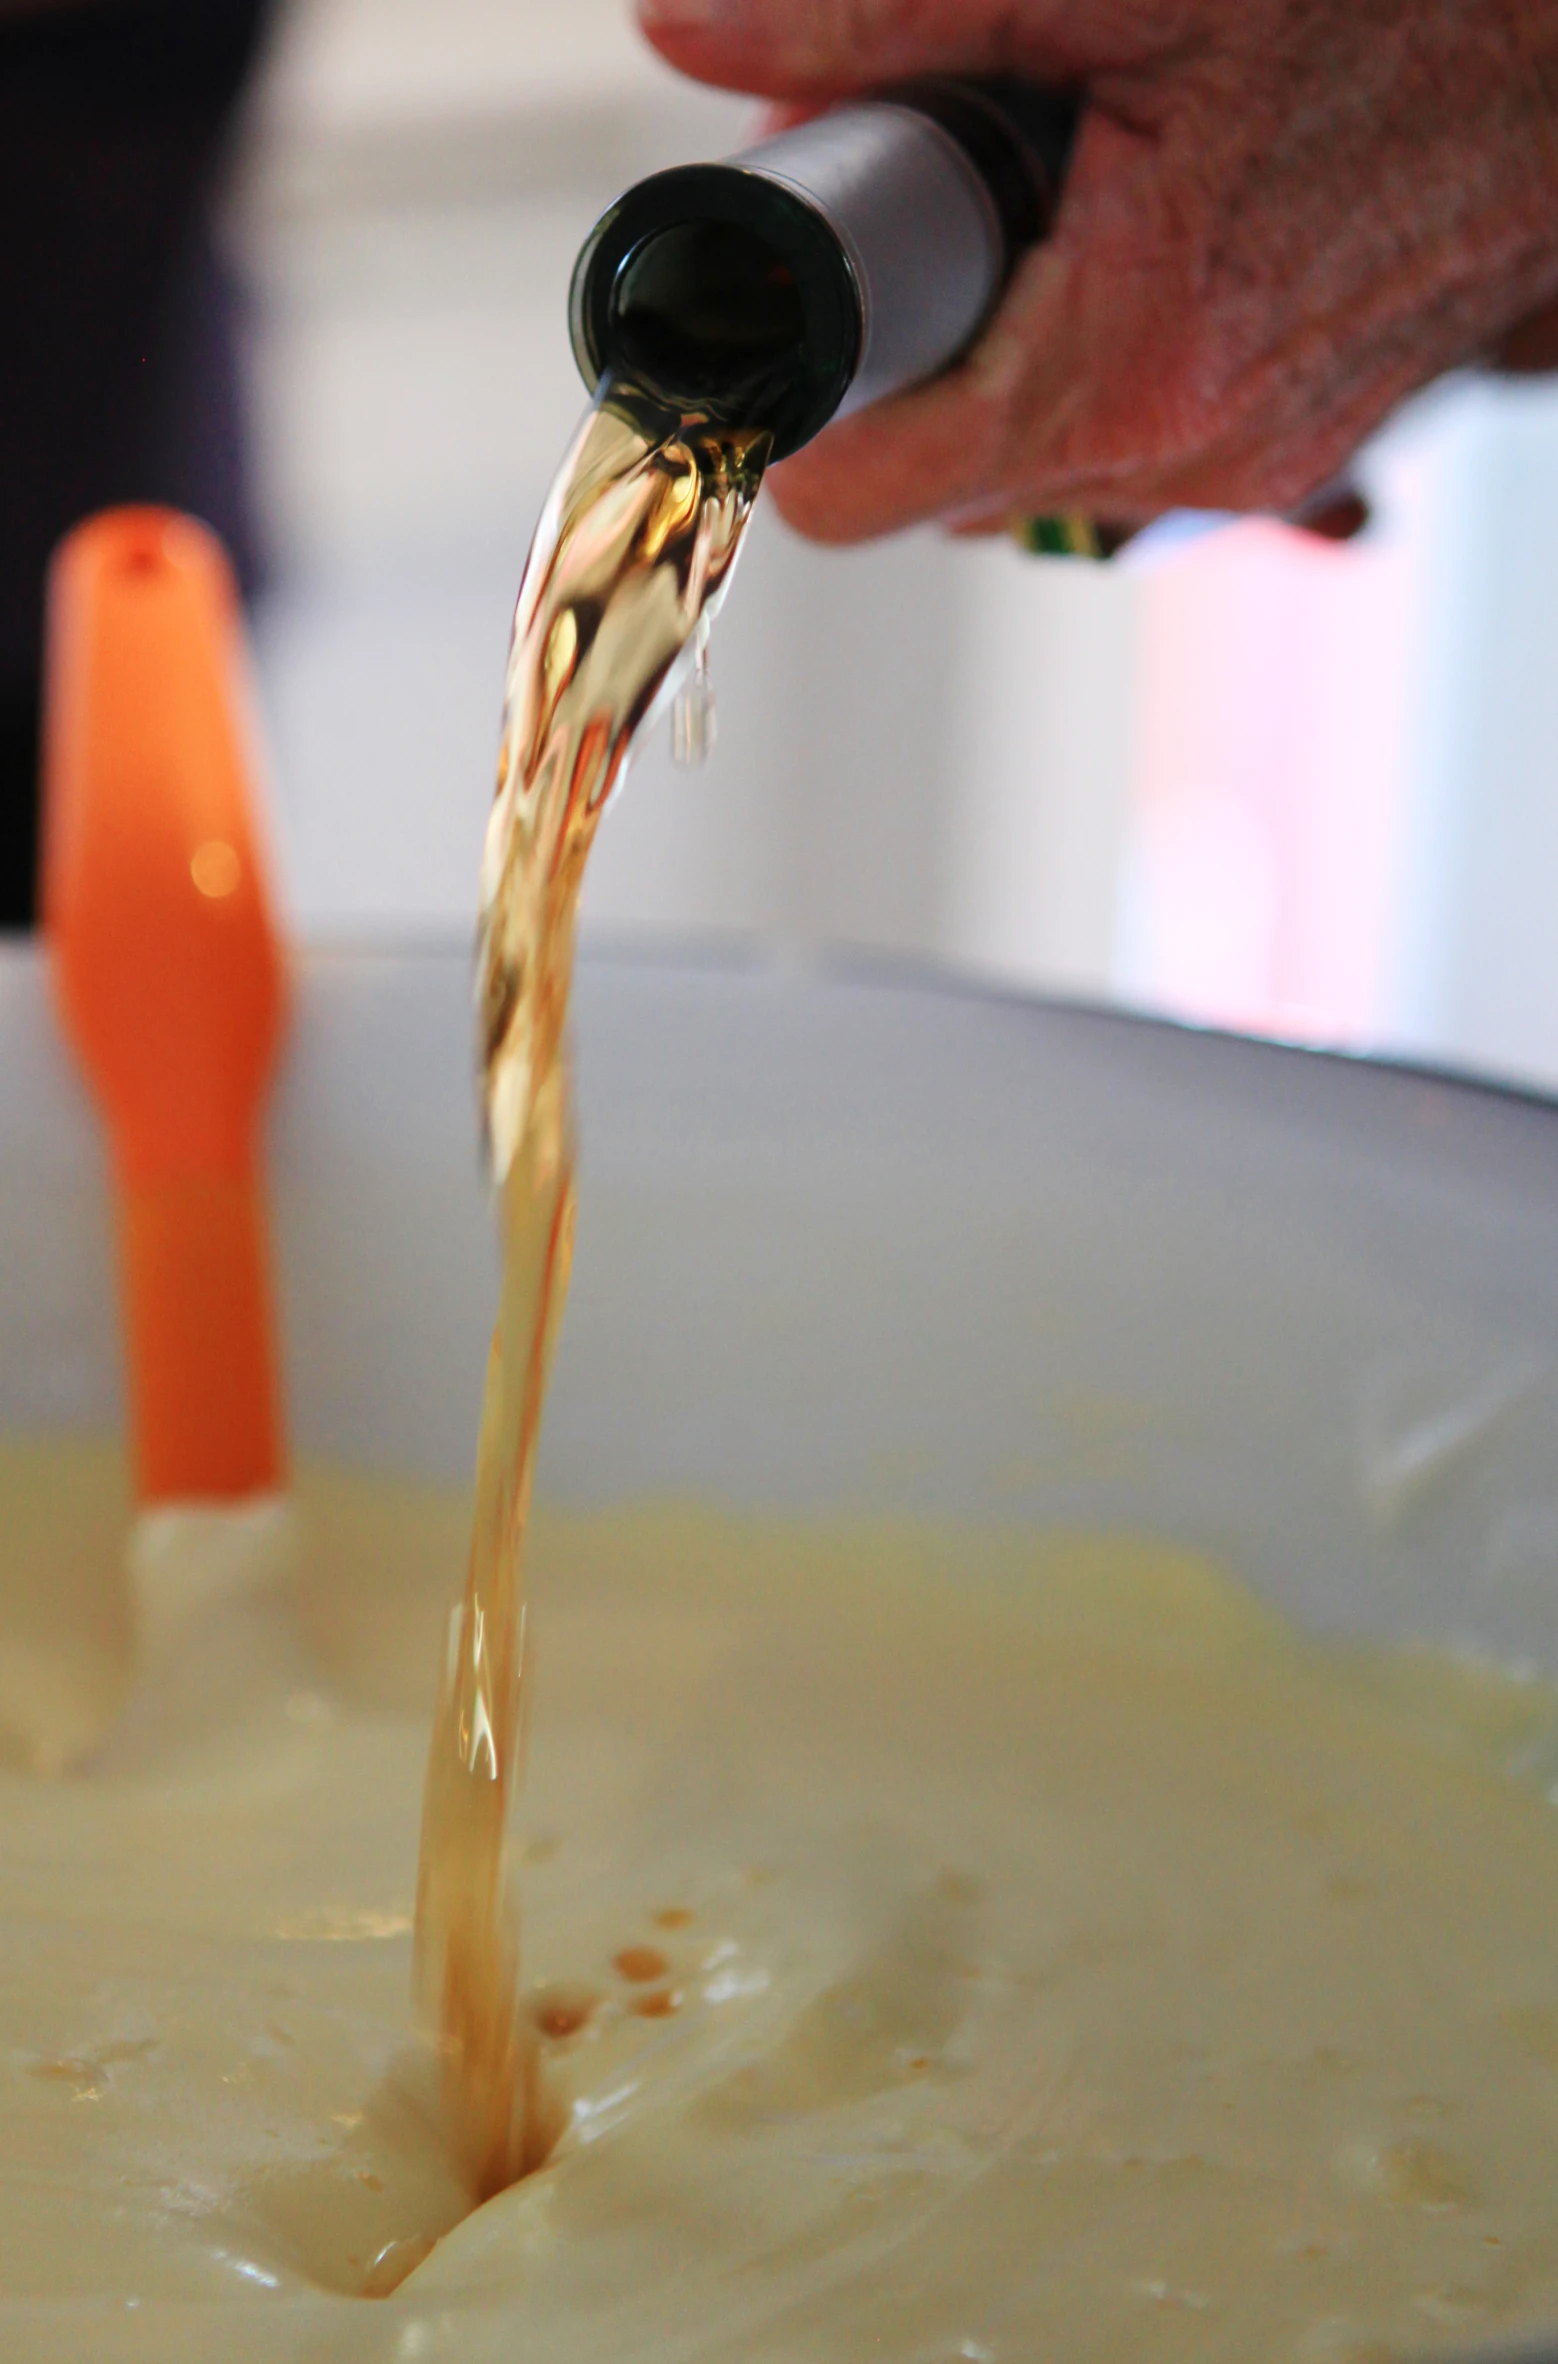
[(862, 1241)]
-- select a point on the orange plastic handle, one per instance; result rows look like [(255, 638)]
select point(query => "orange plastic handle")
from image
[(169, 976)]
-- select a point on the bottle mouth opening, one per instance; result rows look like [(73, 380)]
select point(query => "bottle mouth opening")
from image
[(716, 289), (708, 312)]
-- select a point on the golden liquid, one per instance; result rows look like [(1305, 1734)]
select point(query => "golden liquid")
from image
[(635, 544)]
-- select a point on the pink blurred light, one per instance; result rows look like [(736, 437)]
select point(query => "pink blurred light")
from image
[(1268, 786)]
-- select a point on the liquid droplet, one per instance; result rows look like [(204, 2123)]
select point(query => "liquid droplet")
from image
[(561, 2015), (641, 1965), (662, 2003), (694, 723)]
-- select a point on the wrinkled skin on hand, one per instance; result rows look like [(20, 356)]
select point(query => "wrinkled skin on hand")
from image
[(1283, 217)]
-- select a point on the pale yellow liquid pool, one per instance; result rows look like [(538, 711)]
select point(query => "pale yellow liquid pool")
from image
[(944, 1947)]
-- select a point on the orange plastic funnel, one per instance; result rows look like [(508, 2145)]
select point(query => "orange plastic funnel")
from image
[(169, 977)]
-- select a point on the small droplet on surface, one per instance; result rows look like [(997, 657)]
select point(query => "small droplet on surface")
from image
[(84, 2078), (560, 2015), (640, 1965), (673, 1916), (660, 2005)]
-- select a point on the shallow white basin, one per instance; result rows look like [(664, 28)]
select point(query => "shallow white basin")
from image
[(864, 1240)]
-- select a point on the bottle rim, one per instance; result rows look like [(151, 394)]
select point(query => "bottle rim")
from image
[(799, 401)]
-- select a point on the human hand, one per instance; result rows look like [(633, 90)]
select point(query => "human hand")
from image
[(1283, 216)]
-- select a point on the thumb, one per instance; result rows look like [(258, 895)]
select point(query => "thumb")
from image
[(811, 48)]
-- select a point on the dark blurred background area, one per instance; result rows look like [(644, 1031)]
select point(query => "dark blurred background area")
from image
[(119, 378)]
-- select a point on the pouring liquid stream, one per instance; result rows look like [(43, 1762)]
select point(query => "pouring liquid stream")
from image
[(634, 547)]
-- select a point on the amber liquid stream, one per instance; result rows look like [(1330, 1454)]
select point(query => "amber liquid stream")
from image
[(636, 542)]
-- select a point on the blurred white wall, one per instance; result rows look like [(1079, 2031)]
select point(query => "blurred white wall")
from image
[(1250, 780), (1476, 953)]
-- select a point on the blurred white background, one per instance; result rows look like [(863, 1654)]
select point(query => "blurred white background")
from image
[(1248, 779)]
